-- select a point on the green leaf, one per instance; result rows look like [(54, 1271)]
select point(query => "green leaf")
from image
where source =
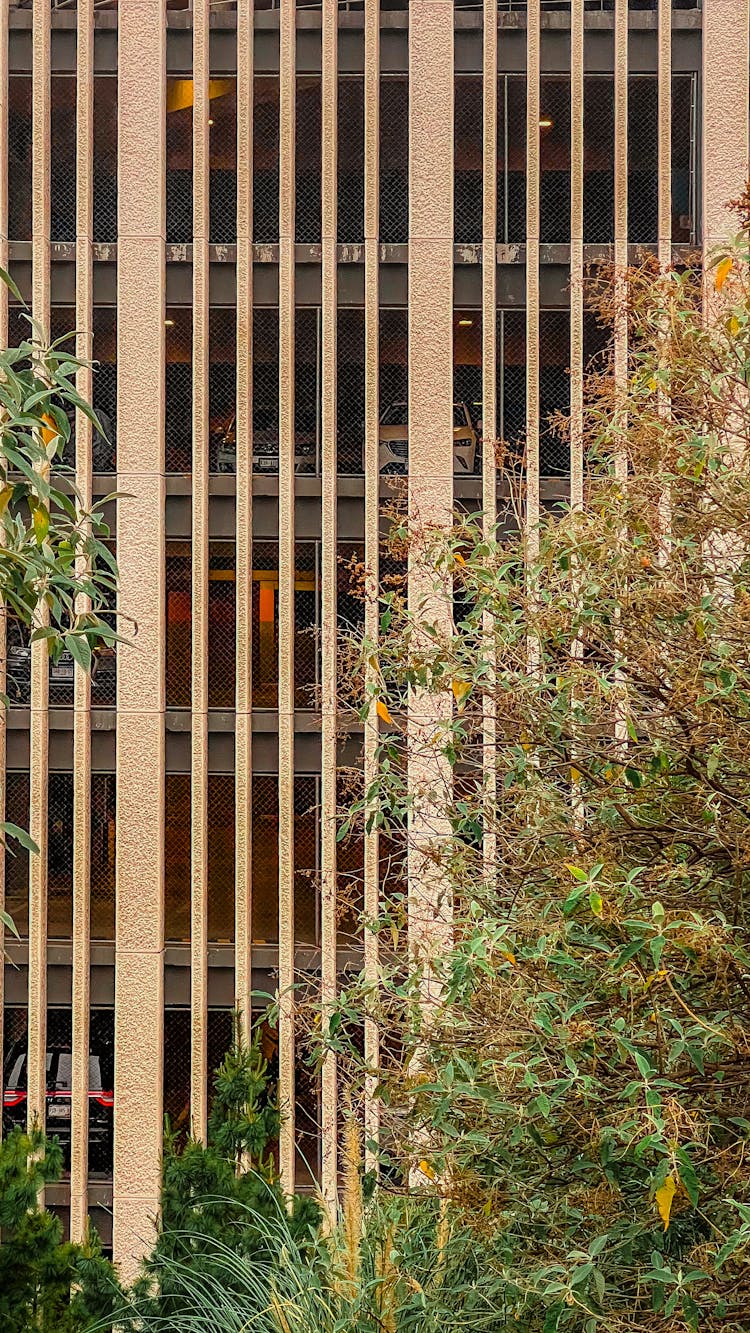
[(80, 650), (18, 835)]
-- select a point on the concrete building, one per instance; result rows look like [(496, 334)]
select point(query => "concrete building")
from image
[(283, 234)]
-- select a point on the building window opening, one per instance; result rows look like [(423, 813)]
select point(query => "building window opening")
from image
[(393, 434), (467, 392), (394, 159), (351, 160), (178, 425), (308, 160)]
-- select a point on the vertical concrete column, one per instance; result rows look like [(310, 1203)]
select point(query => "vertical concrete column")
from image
[(489, 377), (665, 132), (79, 1111), (39, 720), (372, 525), (576, 253), (430, 433), (139, 1000), (725, 115), (199, 555), (4, 340), (243, 782), (329, 579), (533, 165)]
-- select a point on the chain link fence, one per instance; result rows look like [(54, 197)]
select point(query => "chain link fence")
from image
[(351, 160), (222, 145), (178, 425), (179, 624), (221, 855), (350, 391), (307, 160), (394, 158), (103, 847), (222, 613), (266, 159), (16, 857)]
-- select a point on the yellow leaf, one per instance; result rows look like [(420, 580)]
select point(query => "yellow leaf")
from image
[(5, 495), (575, 775), (41, 522), (382, 712), (733, 326), (461, 688), (511, 957), (457, 556), (49, 429), (722, 272), (427, 1170), (664, 1197)]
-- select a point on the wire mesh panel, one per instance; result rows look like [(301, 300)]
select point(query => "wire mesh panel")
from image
[(265, 642), (16, 856), (554, 392), (306, 388), (684, 159), (350, 390), (307, 160), (222, 589), (103, 833), (643, 160), (177, 857), (306, 1126), (60, 857), (18, 664), (219, 1040), (101, 1091), (554, 142), (177, 1070), (105, 157), (178, 425), (266, 158), (394, 158), (350, 864), (104, 396), (306, 621), (511, 159), (598, 160), (63, 157), (468, 119), (179, 623), (393, 386), (179, 160), (222, 124), (221, 857), (19, 157), (222, 388), (265, 831), (306, 861), (467, 392), (511, 381), (351, 160), (266, 389)]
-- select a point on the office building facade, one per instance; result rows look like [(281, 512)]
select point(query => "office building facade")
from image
[(310, 249)]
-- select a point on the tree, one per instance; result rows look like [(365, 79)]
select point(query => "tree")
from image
[(57, 573), (214, 1195), (46, 1284), (579, 1096)]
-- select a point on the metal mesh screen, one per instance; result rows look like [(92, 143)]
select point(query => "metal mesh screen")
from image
[(511, 159), (222, 389), (177, 857), (103, 834), (16, 857), (306, 1125), (222, 589), (467, 198), (265, 834), (393, 384), (265, 643), (177, 1070), (351, 160), (307, 160), (467, 392), (554, 392), (60, 857), (63, 157), (394, 158), (306, 388), (105, 157), (306, 861), (684, 160), (266, 158), (102, 1078), (179, 619), (104, 398), (179, 389), (643, 149), (18, 665), (265, 389), (306, 644), (179, 160), (598, 160), (219, 1039), (221, 857), (511, 381), (222, 125), (19, 157), (554, 143), (350, 390), (350, 862)]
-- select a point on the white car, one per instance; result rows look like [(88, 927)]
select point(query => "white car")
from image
[(394, 439)]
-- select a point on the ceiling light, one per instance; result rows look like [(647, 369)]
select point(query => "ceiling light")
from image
[(546, 122), (169, 323), (465, 323), (210, 122)]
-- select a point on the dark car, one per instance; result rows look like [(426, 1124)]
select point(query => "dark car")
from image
[(58, 1103)]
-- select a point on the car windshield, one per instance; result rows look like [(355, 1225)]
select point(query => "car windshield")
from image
[(59, 1072), (459, 414), (395, 415)]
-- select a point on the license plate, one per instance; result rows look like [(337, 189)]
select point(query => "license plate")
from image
[(63, 672), (58, 1111), (267, 464)]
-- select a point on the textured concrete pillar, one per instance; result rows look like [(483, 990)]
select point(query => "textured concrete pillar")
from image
[(139, 1016), (725, 114)]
